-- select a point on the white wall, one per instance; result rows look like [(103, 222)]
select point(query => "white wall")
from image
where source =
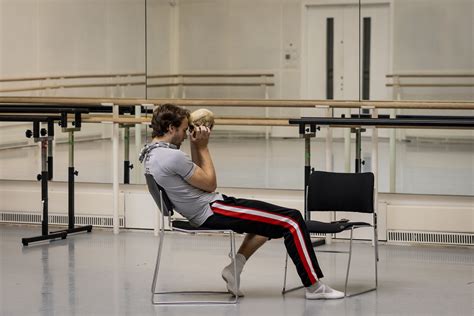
[(161, 46), (46, 37), (241, 36), (54, 37), (433, 35), (396, 212)]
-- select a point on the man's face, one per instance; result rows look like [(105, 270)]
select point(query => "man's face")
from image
[(178, 134)]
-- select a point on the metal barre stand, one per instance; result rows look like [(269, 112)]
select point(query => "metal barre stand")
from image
[(71, 173), (308, 131), (41, 136), (309, 125), (46, 167), (127, 166)]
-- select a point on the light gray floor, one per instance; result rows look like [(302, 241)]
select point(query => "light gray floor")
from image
[(421, 167), (105, 274)]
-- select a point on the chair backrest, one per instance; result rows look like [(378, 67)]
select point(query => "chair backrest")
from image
[(155, 190), (341, 192)]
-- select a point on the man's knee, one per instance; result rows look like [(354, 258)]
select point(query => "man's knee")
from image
[(296, 215)]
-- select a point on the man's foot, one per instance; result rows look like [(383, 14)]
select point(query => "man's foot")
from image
[(228, 275), (321, 291)]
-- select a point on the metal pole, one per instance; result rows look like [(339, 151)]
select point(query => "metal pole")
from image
[(267, 128), (50, 149), (358, 160), (44, 186), (115, 169), (347, 146), (126, 161), (307, 170), (138, 144), (375, 165), (71, 181), (392, 155), (329, 113)]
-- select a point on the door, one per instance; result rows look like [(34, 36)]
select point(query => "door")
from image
[(338, 25), (345, 59)]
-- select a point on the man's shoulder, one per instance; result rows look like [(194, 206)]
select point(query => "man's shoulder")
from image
[(174, 152), (169, 155)]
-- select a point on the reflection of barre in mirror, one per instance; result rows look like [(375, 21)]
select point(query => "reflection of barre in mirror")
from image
[(125, 84)]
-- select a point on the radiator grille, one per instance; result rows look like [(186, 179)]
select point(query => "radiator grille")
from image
[(318, 235), (431, 237), (58, 219)]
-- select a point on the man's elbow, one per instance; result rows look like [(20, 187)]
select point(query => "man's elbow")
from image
[(211, 187)]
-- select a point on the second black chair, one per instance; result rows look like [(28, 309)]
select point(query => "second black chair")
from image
[(341, 192)]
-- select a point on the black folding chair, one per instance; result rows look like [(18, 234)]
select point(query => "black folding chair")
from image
[(166, 209), (340, 192)]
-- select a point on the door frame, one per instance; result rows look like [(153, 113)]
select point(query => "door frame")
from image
[(307, 5)]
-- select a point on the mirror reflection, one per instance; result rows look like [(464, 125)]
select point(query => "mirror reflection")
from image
[(242, 49)]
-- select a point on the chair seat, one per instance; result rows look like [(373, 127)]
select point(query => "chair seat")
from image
[(330, 228), (185, 225)]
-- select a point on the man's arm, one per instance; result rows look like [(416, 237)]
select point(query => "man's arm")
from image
[(204, 177), (195, 156)]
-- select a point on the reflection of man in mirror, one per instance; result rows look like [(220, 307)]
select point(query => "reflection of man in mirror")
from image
[(190, 183)]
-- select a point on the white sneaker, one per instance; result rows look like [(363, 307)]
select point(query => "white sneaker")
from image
[(324, 292), (228, 276)]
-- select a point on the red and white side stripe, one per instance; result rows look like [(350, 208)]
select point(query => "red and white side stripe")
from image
[(274, 219)]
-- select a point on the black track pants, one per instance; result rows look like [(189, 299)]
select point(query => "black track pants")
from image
[(261, 218)]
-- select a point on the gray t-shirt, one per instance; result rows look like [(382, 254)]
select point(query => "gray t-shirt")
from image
[(171, 168)]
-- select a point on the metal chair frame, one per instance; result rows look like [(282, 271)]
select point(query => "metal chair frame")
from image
[(164, 209), (349, 252)]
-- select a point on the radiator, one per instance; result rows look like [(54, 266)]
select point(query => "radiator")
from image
[(58, 219), (425, 237)]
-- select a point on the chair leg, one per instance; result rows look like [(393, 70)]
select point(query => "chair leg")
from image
[(283, 291), (191, 302), (233, 252), (157, 265), (348, 263), (376, 254)]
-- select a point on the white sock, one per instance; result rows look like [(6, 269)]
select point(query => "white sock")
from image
[(230, 278), (314, 287), (240, 262)]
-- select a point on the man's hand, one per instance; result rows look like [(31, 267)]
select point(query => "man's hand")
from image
[(200, 137)]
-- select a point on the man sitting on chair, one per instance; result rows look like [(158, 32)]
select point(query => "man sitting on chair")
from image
[(190, 183)]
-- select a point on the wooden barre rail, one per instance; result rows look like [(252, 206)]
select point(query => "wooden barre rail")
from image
[(283, 122), (85, 85), (85, 102), (84, 76), (430, 85), (137, 74), (213, 75), (431, 75), (398, 77), (431, 123), (57, 77), (135, 83), (212, 84), (218, 121)]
